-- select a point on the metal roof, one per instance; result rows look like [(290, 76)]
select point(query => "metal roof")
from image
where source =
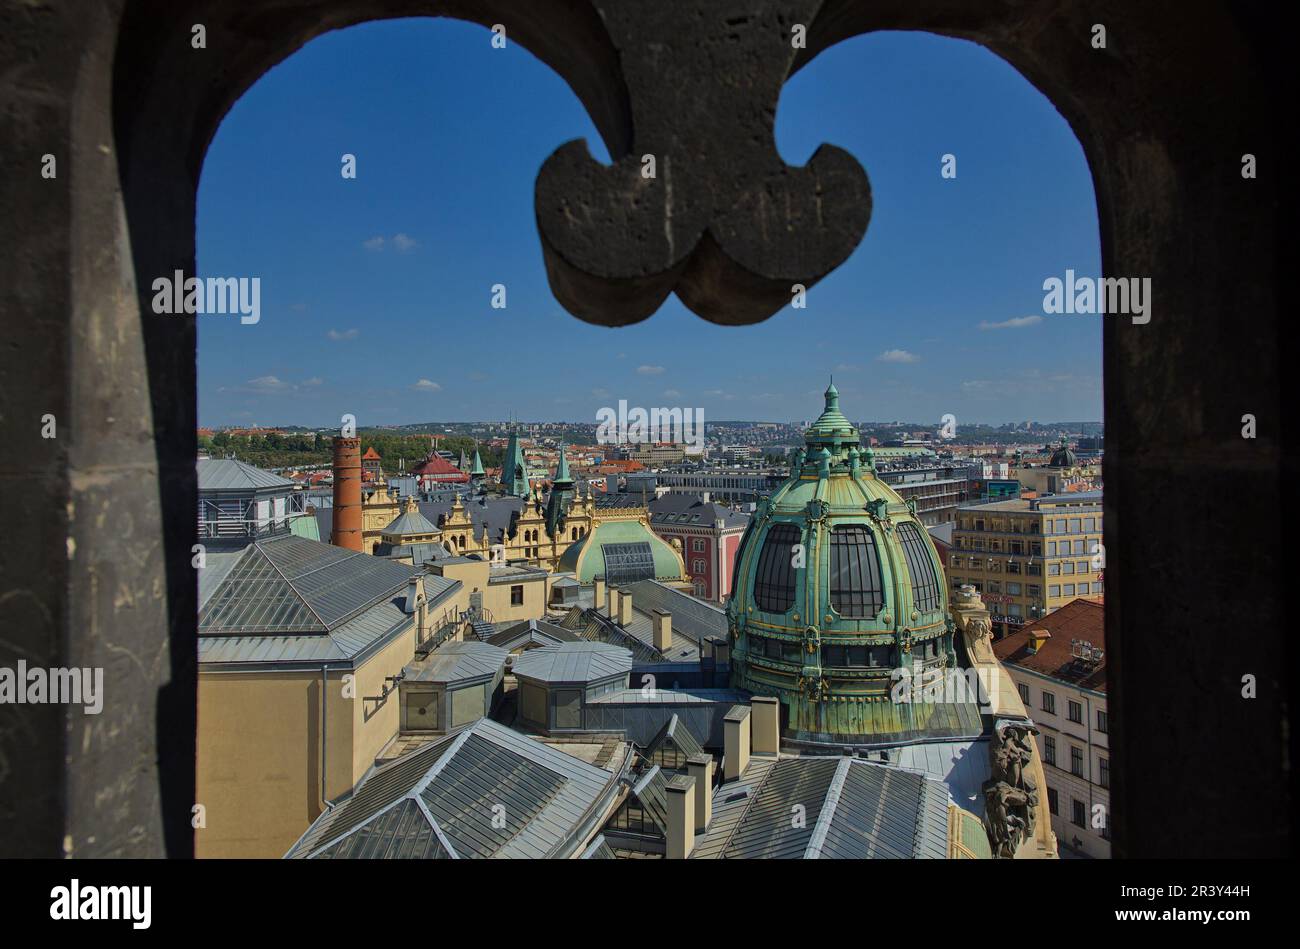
[(458, 662), (532, 630), (410, 522), (573, 662), (599, 849), (290, 599), (694, 618), (851, 809), (963, 766), (226, 474), (679, 735), (483, 792), (291, 584), (652, 794)]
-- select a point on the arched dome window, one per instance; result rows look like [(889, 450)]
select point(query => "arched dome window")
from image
[(774, 578), (857, 590), (925, 586)]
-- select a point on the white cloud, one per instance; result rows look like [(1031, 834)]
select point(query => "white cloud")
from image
[(847, 367), (649, 370), (898, 355), (671, 394), (425, 385), (600, 393), (267, 384), (339, 335), (314, 381), (1015, 323), (375, 243), (403, 243)]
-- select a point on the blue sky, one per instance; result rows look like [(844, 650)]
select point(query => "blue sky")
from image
[(449, 134)]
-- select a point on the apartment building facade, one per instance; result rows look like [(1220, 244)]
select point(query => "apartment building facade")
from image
[(1058, 666), (1029, 556)]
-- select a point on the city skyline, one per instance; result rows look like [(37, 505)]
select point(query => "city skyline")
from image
[(376, 290)]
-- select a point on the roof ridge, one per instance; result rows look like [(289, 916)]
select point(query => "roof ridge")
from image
[(257, 545), (829, 803)]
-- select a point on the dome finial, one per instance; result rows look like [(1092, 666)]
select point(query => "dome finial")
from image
[(832, 396)]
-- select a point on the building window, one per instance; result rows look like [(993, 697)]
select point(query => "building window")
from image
[(1076, 761), (1102, 721), (1079, 817), (517, 595), (699, 566), (925, 588), (1075, 713), (856, 587), (697, 545), (1053, 804), (1049, 749), (1068, 589), (1103, 772), (1049, 702), (1024, 692), (774, 577), (1054, 590)]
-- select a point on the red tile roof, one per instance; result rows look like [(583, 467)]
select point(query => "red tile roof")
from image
[(1078, 619)]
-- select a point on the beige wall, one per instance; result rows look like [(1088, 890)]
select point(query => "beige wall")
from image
[(496, 598), (376, 721), (259, 748), (258, 767)]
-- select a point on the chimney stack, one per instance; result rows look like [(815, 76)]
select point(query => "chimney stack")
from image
[(412, 595), (735, 742), (346, 531), (767, 725), (624, 607), (681, 817), (700, 767), (598, 591), (611, 602), (663, 630)]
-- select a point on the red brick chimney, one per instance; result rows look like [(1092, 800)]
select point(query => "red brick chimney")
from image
[(346, 531)]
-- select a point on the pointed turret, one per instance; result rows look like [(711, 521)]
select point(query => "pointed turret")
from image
[(514, 469), (476, 470), (557, 505)]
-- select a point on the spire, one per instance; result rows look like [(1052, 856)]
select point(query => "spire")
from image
[(562, 470), (476, 470), (514, 470)]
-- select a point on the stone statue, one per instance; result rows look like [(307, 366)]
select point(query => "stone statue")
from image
[(1010, 793)]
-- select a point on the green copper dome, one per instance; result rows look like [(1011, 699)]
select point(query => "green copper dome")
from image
[(837, 584)]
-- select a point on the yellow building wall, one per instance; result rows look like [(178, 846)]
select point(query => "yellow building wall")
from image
[(496, 598), (258, 762), (375, 720)]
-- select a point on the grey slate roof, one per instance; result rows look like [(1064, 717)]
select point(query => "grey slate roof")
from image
[(573, 662), (853, 809), (226, 474), (448, 793), (290, 599), (689, 510), (458, 662)]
